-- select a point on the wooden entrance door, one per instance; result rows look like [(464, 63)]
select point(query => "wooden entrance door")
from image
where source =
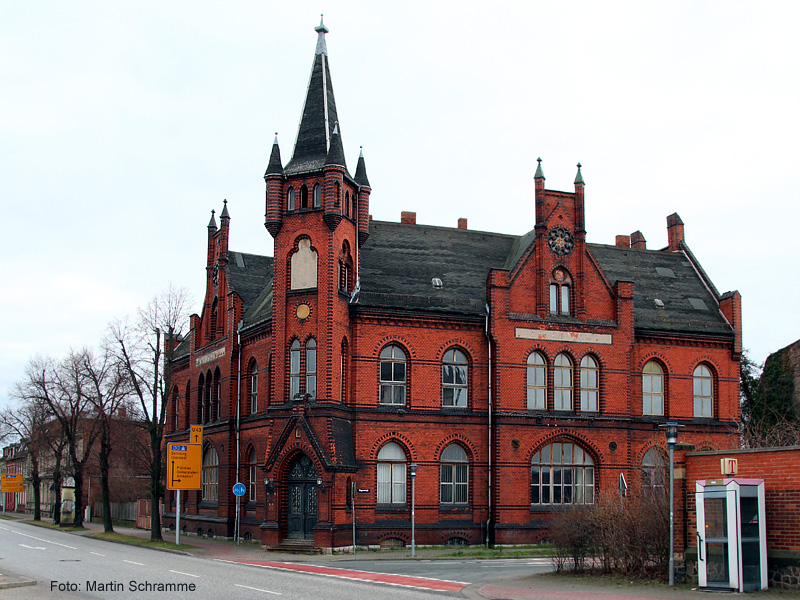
[(302, 509)]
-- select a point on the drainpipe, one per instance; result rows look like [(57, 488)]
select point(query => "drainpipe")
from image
[(238, 391), (489, 466)]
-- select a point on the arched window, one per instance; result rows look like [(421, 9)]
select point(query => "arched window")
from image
[(652, 389), (454, 471), (201, 403), (562, 473), (337, 194), (391, 475), (311, 368), (454, 378), (653, 467), (304, 196), (216, 401), (562, 383), (537, 382), (212, 326), (187, 403), (590, 384), (347, 205), (393, 375), (253, 376), (560, 292), (176, 407), (210, 475), (317, 196), (294, 370), (290, 205), (703, 392), (252, 475)]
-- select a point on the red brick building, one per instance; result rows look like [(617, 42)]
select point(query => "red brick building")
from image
[(519, 373)]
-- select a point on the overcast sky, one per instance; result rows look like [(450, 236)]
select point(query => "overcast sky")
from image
[(124, 123)]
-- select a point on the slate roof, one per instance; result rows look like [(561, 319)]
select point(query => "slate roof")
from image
[(311, 147), (670, 277), (399, 261)]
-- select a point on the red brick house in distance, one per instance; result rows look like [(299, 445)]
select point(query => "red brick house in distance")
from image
[(519, 373)]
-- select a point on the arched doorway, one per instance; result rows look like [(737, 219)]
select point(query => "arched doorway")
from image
[(302, 509)]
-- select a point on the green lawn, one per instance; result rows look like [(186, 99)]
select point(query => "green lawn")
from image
[(137, 541)]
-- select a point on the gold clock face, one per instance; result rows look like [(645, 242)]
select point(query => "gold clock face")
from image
[(303, 311)]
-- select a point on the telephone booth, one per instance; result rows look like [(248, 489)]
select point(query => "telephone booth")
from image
[(731, 534)]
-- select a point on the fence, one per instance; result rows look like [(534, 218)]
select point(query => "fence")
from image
[(120, 511)]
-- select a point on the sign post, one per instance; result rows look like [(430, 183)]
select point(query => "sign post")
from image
[(238, 491), (10, 484), (184, 472)]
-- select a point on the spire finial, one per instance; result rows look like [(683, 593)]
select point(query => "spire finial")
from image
[(539, 173), (321, 30), (276, 138), (212, 224), (361, 152), (579, 175)]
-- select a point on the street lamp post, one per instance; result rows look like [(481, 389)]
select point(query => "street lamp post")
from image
[(671, 429), (413, 467)]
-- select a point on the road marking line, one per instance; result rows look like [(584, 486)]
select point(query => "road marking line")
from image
[(32, 547), (133, 563), (408, 581), (96, 553), (45, 541), (247, 587), (182, 573)]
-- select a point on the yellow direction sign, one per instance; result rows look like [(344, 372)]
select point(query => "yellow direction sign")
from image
[(183, 466), (11, 483), (196, 434)]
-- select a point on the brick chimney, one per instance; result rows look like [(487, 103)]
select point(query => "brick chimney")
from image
[(674, 232), (462, 223), (623, 241), (409, 218), (638, 241)]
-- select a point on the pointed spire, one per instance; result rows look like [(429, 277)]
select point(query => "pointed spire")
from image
[(274, 165), (212, 224), (319, 115), (321, 31), (539, 173), (579, 176), (336, 153), (224, 214), (361, 169)]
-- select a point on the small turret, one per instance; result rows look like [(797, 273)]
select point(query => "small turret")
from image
[(273, 215), (334, 170), (539, 182), (363, 198), (579, 211)]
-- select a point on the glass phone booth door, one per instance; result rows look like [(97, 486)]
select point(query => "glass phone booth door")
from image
[(731, 534)]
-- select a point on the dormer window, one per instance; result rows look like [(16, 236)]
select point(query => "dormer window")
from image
[(560, 292), (317, 196)]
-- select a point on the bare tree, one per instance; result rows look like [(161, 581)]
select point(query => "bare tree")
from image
[(64, 388), (145, 351), (108, 390), (28, 421)]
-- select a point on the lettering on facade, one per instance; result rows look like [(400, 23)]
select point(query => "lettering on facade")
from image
[(211, 356), (523, 333)]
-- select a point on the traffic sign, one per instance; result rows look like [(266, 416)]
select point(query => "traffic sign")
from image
[(196, 434), (184, 467), (11, 483), (239, 489)]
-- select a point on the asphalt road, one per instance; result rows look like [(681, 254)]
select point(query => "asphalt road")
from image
[(71, 566)]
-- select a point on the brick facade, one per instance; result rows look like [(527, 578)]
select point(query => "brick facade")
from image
[(778, 468), (368, 337)]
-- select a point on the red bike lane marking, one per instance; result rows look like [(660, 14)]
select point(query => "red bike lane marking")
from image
[(401, 580)]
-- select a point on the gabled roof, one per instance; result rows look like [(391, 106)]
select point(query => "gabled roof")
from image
[(399, 262), (248, 275), (689, 306)]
